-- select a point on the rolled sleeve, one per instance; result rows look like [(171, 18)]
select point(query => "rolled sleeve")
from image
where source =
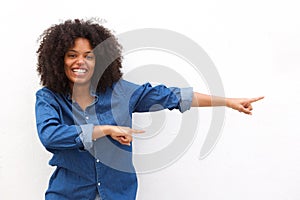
[(186, 99), (185, 96), (86, 136)]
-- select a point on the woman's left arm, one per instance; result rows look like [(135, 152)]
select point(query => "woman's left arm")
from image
[(241, 104)]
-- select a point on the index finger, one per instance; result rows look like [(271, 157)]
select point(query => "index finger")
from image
[(137, 131), (256, 99)]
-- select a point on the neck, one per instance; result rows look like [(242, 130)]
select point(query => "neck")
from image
[(80, 92)]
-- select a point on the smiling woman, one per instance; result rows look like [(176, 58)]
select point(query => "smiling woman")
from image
[(84, 111)]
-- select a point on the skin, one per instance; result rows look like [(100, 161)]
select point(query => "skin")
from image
[(79, 68), (243, 105)]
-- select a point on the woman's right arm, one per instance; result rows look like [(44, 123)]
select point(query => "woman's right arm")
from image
[(56, 135), (53, 134)]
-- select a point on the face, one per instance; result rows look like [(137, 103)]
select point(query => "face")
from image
[(80, 62)]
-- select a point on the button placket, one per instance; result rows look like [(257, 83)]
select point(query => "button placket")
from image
[(86, 116)]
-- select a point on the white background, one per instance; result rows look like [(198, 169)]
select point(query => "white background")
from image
[(255, 46)]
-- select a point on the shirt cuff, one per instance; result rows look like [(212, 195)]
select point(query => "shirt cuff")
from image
[(186, 99), (86, 135)]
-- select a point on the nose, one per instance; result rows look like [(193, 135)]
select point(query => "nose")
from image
[(80, 60)]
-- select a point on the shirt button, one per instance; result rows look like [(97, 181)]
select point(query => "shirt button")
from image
[(87, 117), (99, 184), (97, 160)]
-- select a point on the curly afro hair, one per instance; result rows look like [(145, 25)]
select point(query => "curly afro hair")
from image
[(55, 42)]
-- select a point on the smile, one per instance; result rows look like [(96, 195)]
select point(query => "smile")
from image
[(79, 70)]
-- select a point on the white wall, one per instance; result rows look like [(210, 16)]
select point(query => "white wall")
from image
[(255, 47)]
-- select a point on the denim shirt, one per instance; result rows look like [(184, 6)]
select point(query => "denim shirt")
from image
[(85, 168)]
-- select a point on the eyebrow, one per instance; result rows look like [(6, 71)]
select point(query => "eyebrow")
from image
[(78, 52)]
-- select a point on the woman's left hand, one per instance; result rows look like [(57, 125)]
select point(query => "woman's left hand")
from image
[(242, 104)]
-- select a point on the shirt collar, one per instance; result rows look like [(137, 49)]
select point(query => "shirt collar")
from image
[(93, 93)]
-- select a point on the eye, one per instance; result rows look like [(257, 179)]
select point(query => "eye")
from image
[(71, 55), (90, 57)]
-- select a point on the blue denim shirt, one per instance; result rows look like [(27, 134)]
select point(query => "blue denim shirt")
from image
[(85, 168)]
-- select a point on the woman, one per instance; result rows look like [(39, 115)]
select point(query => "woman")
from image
[(84, 110)]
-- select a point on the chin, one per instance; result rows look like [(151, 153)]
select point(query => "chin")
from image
[(80, 83)]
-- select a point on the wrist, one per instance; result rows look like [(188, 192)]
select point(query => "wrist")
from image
[(104, 129), (228, 102), (100, 131)]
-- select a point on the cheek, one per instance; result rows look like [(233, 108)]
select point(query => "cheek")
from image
[(67, 64), (67, 68), (92, 66)]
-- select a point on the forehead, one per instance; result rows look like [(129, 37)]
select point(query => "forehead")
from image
[(82, 44)]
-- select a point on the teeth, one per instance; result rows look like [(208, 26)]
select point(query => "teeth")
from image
[(79, 70)]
